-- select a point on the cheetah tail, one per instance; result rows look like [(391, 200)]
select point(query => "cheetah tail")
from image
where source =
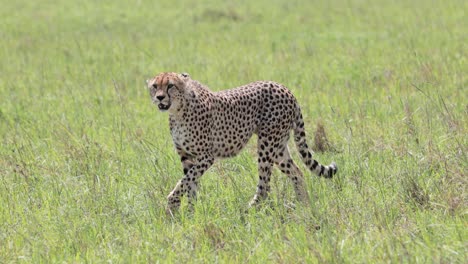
[(306, 154)]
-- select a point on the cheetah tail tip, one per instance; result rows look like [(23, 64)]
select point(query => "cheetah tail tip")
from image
[(334, 167)]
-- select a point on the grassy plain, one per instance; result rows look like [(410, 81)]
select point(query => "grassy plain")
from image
[(86, 161)]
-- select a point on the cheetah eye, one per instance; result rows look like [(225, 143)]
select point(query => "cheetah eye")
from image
[(155, 86), (169, 86)]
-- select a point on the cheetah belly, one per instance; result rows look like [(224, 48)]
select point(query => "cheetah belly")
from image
[(230, 135)]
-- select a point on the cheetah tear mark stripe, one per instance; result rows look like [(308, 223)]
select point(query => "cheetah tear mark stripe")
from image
[(306, 154)]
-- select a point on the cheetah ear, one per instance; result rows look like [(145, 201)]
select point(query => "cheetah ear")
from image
[(185, 75)]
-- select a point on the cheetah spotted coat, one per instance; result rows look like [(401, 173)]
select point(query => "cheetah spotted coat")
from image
[(207, 125)]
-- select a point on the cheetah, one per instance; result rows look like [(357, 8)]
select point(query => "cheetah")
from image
[(207, 125)]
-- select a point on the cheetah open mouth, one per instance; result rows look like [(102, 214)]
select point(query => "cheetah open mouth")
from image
[(164, 107)]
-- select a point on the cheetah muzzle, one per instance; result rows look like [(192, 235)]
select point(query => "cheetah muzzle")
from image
[(164, 107), (207, 125)]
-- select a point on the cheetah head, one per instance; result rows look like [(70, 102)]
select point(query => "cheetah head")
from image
[(167, 90)]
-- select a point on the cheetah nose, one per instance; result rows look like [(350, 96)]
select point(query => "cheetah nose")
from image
[(160, 97)]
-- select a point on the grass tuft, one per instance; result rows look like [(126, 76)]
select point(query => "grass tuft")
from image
[(321, 143)]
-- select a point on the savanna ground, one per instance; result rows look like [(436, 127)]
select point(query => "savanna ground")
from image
[(86, 160)]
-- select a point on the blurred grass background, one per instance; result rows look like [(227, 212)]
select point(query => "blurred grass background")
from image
[(86, 161)]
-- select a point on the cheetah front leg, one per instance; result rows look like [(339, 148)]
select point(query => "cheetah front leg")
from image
[(188, 185), (186, 161)]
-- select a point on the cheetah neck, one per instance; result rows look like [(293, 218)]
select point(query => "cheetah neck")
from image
[(196, 99)]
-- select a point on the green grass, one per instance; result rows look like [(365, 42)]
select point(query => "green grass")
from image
[(86, 160)]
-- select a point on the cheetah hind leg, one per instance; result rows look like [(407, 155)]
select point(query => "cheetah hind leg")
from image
[(288, 167), (265, 165)]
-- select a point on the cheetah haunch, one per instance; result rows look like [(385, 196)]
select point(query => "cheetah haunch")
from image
[(208, 125)]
